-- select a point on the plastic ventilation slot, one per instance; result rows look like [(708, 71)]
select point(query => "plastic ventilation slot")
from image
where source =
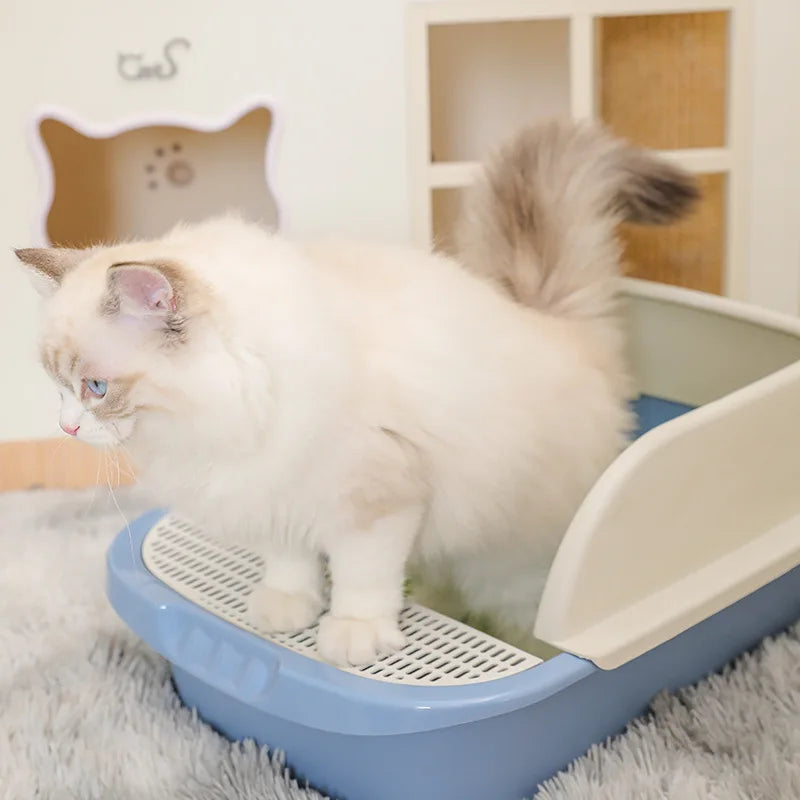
[(218, 578)]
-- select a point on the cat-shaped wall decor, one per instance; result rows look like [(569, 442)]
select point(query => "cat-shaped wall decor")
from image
[(137, 182)]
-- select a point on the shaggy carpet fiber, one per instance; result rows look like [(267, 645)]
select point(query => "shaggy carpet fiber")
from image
[(88, 711)]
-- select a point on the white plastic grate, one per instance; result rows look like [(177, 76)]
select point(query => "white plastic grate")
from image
[(440, 651)]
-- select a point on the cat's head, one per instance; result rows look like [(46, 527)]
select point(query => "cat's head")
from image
[(117, 324)]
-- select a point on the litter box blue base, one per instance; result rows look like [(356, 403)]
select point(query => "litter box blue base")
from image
[(362, 739)]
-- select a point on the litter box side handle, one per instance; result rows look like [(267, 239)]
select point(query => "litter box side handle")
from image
[(693, 516), (200, 643), (179, 631)]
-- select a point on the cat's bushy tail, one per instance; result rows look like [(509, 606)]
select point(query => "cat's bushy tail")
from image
[(542, 219)]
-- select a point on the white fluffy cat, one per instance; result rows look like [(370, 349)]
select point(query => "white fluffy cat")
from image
[(372, 404)]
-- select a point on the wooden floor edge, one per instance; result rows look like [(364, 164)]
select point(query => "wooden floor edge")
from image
[(59, 464)]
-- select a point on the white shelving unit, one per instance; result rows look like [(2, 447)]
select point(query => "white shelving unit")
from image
[(477, 70)]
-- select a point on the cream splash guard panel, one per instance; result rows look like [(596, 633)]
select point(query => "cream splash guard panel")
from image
[(701, 511), (140, 180)]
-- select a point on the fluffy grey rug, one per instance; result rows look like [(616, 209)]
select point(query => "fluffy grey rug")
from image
[(88, 711)]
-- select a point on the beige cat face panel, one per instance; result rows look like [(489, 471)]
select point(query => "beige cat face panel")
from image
[(137, 182)]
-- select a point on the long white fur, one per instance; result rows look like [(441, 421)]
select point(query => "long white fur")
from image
[(371, 404)]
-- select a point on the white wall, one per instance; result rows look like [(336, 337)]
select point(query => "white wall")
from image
[(337, 74)]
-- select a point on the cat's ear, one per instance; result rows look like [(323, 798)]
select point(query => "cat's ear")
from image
[(151, 292), (48, 265), (140, 290)]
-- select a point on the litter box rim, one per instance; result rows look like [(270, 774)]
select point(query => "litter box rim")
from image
[(295, 687)]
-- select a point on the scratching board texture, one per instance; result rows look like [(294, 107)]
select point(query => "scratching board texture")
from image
[(87, 711)]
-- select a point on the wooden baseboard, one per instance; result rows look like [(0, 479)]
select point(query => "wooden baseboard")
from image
[(58, 464)]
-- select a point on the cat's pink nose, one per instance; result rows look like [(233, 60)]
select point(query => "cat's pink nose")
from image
[(69, 429)]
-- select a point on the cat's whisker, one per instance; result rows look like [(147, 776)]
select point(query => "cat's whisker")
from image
[(58, 451), (108, 455), (113, 464), (123, 472), (61, 442), (119, 468), (128, 470), (119, 509), (96, 483)]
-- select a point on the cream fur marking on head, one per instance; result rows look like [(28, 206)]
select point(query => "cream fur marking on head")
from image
[(373, 404)]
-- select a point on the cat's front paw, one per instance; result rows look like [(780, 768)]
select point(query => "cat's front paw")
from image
[(273, 611), (357, 642)]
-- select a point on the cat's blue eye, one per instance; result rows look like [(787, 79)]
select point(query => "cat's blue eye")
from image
[(97, 388)]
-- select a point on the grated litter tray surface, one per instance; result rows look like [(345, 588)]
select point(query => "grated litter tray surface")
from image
[(217, 577)]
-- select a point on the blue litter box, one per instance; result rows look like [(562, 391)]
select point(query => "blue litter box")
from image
[(684, 554)]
